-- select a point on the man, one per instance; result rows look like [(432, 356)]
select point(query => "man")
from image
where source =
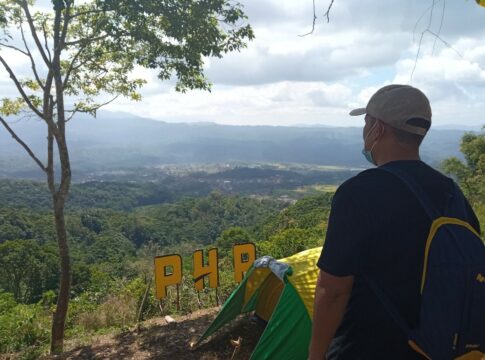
[(376, 232)]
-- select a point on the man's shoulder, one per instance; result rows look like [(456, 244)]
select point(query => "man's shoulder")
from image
[(363, 181), (375, 180)]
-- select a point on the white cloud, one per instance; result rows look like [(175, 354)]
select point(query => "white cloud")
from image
[(282, 78), (281, 103)]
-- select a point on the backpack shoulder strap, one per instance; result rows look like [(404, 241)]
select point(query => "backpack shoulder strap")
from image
[(432, 213), (415, 188)]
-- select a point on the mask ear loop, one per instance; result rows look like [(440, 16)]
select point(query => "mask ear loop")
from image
[(367, 136)]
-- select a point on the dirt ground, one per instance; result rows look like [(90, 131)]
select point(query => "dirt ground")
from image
[(156, 339)]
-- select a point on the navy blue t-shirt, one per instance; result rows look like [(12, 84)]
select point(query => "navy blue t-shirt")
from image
[(377, 229)]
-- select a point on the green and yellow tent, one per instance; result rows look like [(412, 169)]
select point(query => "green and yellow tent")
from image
[(281, 292)]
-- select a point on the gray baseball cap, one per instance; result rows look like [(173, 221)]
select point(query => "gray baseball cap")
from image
[(401, 106)]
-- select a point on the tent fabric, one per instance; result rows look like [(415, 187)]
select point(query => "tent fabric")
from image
[(305, 274), (254, 281), (284, 300), (288, 332), (235, 305), (268, 297)]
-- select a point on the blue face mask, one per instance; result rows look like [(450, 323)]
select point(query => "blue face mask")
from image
[(368, 153), (368, 156)]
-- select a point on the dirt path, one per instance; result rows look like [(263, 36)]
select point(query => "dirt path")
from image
[(158, 340)]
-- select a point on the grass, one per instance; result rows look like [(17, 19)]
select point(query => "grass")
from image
[(317, 188)]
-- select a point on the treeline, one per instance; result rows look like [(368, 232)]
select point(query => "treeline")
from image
[(107, 195), (127, 195)]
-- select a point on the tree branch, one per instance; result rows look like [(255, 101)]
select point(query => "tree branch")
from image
[(422, 36), (422, 16), (20, 89), (441, 23), (48, 103), (50, 161), (30, 21), (46, 45), (87, 13), (85, 41), (90, 110), (72, 67), (428, 30), (314, 20), (14, 48), (32, 62), (437, 36), (65, 24), (23, 144), (327, 13), (60, 136)]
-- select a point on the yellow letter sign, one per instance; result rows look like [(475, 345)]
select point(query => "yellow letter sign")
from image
[(200, 271), (168, 271), (244, 256)]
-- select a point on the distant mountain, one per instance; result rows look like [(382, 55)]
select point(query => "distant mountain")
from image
[(120, 141)]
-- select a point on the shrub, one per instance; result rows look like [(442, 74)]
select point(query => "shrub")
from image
[(23, 327), (291, 241), (116, 311)]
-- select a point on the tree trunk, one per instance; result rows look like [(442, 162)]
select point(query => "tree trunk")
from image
[(59, 317), (59, 199), (59, 196)]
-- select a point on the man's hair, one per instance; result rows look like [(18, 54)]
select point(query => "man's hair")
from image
[(408, 138)]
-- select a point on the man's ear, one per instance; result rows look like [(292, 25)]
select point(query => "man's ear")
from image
[(381, 129)]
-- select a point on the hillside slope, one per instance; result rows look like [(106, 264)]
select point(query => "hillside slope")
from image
[(156, 339)]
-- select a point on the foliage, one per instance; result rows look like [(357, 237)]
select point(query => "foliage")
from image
[(107, 195), (27, 269), (307, 213), (7, 302), (471, 173), (202, 220), (109, 247), (112, 255), (23, 327), (25, 224), (95, 45), (230, 237), (291, 241)]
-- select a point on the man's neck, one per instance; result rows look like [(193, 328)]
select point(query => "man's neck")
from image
[(398, 154)]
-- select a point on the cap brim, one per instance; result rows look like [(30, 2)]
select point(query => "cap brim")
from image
[(357, 112)]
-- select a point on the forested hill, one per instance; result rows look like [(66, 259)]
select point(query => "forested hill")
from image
[(119, 141), (160, 187)]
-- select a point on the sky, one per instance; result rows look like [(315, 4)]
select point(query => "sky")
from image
[(282, 78)]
